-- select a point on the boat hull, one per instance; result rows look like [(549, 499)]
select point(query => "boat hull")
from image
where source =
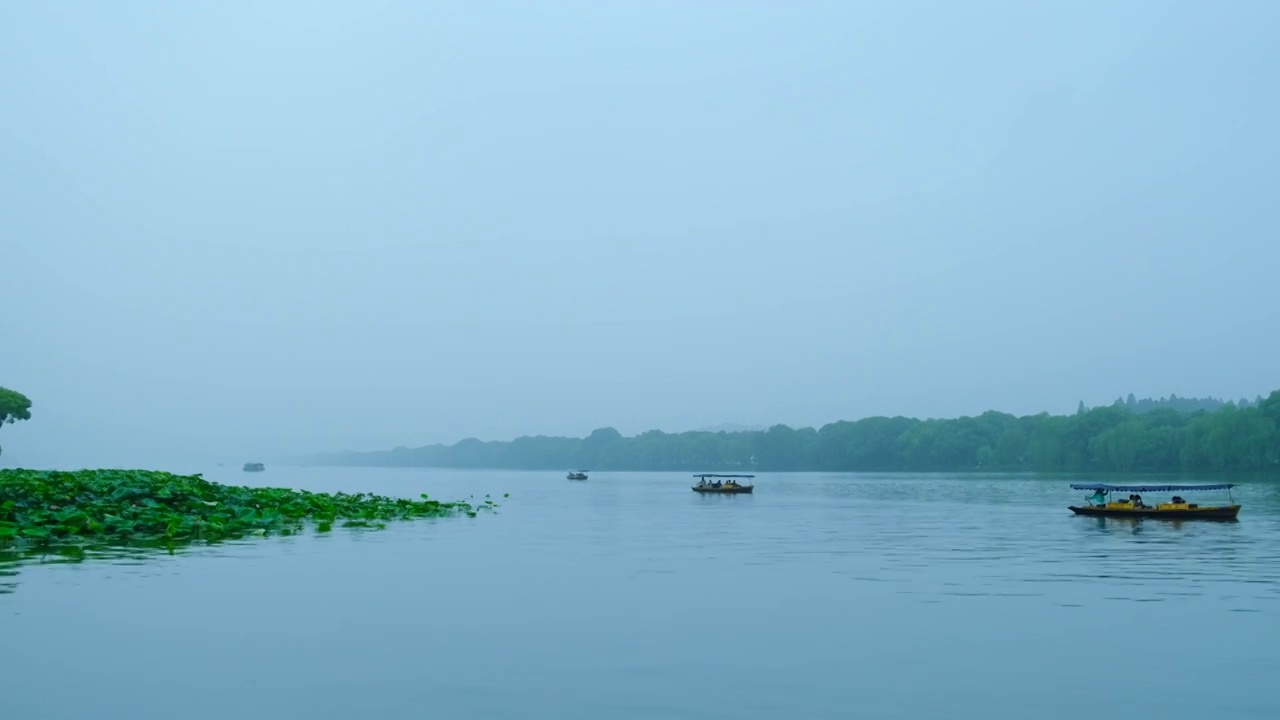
[(1221, 512), (724, 490)]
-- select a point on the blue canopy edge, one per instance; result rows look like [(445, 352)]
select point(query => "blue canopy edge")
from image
[(1150, 488)]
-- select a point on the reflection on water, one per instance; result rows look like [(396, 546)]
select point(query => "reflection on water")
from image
[(896, 595)]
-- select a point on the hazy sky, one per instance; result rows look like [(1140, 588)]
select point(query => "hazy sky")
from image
[(235, 230)]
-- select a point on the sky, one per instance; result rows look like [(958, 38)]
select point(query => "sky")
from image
[(243, 230)]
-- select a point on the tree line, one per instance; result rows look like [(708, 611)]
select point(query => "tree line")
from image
[(1123, 437), (1187, 405)]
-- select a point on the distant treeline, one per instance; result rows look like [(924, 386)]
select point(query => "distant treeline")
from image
[(1129, 436), (1186, 405)]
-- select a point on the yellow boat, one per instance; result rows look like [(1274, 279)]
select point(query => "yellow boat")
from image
[(729, 486), (1101, 503)]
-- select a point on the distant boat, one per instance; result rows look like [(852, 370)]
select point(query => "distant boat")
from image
[(254, 467), (1101, 503), (580, 475), (728, 486)]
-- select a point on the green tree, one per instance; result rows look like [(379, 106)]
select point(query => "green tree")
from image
[(14, 406), (1119, 447), (1271, 406), (782, 448), (596, 447)]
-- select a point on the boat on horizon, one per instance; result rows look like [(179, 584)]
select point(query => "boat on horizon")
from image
[(1101, 504), (580, 475), (729, 485), (254, 467)]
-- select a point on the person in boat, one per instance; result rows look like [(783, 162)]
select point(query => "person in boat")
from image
[(1137, 501), (1177, 500), (1098, 498), (716, 484)]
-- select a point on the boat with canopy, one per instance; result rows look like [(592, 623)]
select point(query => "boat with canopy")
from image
[(725, 484), (1102, 503)]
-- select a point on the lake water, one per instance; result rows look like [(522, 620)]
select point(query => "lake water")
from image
[(628, 596)]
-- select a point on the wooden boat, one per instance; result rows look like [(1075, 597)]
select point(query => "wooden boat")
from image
[(254, 467), (1101, 504), (729, 486), (580, 475)]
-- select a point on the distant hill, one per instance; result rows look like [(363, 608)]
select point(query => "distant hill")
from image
[(1167, 435)]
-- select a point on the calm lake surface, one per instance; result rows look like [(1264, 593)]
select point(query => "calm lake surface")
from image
[(628, 596)]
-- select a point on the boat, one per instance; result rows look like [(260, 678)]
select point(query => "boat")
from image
[(580, 475), (723, 484), (1101, 503), (254, 467)]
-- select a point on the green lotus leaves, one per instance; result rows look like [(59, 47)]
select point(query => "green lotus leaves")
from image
[(134, 507)]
